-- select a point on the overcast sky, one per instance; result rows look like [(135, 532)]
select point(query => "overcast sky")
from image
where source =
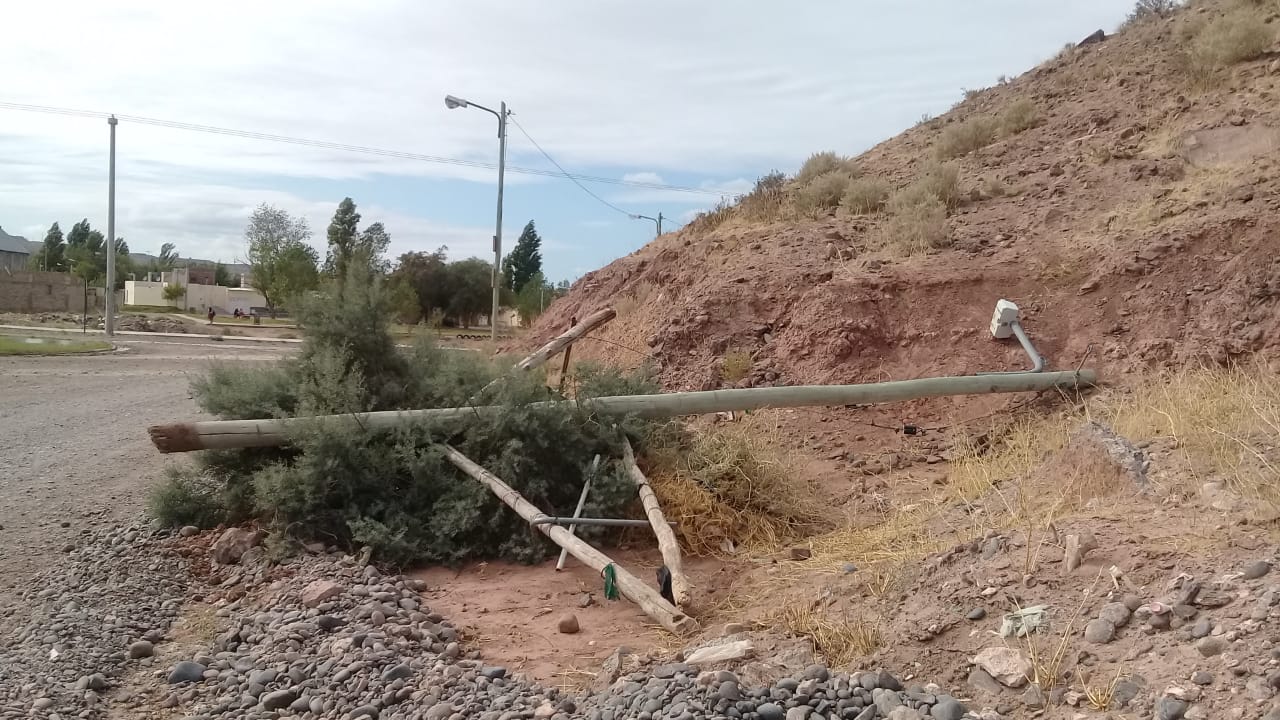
[(705, 95)]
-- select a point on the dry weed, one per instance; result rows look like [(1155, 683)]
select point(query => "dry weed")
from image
[(1019, 116), (1100, 697), (733, 489), (964, 137), (823, 163), (767, 201), (736, 365), (840, 641), (915, 224), (865, 196), (823, 192), (627, 304), (1235, 37), (1225, 423)]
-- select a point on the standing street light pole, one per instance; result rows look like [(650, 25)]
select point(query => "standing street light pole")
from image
[(110, 301), (657, 221), (453, 103)]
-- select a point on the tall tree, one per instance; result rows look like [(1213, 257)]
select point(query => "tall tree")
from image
[(342, 237), (524, 261), (168, 257), (52, 256), (281, 262), (87, 254), (469, 292), (222, 276), (373, 245), (427, 273)]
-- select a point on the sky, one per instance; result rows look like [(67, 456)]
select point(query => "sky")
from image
[(707, 96)]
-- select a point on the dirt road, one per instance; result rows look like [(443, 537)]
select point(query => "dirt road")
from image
[(74, 450)]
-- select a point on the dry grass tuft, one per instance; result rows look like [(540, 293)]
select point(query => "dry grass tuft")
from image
[(840, 641), (865, 196), (767, 201), (1019, 116), (1225, 423), (736, 365), (1100, 697), (823, 163), (823, 192), (964, 137), (1239, 35), (733, 489), (709, 220), (917, 223), (629, 302)]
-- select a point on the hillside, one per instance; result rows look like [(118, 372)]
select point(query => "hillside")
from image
[(1137, 216)]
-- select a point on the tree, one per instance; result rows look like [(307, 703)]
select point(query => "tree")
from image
[(342, 238), (87, 254), (221, 276), (168, 257), (52, 256), (524, 261), (373, 245), (427, 274), (173, 292), (469, 290), (403, 300), (281, 262)]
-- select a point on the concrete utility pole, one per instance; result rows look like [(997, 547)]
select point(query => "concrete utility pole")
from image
[(453, 103), (657, 221), (110, 301)]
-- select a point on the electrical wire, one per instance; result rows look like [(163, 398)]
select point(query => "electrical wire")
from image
[(564, 172), (362, 149)]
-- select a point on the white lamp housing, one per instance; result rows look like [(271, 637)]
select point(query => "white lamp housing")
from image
[(1002, 321)]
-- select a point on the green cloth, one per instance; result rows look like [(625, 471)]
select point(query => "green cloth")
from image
[(610, 582)]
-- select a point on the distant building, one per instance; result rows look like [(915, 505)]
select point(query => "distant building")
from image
[(14, 254)]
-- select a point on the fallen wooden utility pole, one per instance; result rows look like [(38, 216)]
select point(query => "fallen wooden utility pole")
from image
[(667, 543), (632, 588), (228, 434)]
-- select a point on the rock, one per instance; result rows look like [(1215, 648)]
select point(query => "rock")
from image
[(947, 710), (188, 530), (1201, 629), (1099, 631), (800, 553), (364, 711), (886, 700), (568, 624), (905, 713), (1257, 688), (1196, 712), (1210, 646), (722, 653), (186, 671), (1125, 692), (399, 672), (43, 703), (318, 591), (1240, 193), (976, 614), (1007, 665), (1236, 119), (771, 711), (1170, 708), (887, 681), (329, 623), (96, 682), (1256, 569), (141, 649), (980, 679), (1116, 613), (1034, 697), (1096, 36), (1077, 546), (798, 713), (233, 544), (279, 699)]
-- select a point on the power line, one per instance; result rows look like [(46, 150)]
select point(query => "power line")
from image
[(564, 172), (363, 149)]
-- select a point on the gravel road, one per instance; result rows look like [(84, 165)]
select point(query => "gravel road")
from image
[(74, 451)]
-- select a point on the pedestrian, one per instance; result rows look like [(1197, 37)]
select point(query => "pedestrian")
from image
[(211, 315)]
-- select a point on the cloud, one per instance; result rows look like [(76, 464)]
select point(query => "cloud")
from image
[(644, 177)]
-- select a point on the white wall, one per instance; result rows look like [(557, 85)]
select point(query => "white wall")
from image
[(200, 297)]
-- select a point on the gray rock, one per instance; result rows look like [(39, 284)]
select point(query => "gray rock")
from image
[(980, 679), (1099, 631), (366, 711), (439, 711), (399, 672), (43, 703), (1256, 569), (948, 710), (1170, 708), (768, 711), (493, 672), (1125, 692), (141, 649), (976, 614), (186, 671), (1257, 688), (1202, 628), (279, 699), (799, 713), (1210, 646), (1116, 613), (1034, 697), (262, 677), (886, 700), (188, 530), (1200, 677)]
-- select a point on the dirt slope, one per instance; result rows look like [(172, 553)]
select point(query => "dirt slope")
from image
[(1139, 217)]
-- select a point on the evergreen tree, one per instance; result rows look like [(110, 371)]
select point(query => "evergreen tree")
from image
[(343, 231), (524, 260), (52, 257)]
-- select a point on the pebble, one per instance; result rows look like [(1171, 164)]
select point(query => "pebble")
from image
[(1210, 646), (1116, 613), (186, 672), (141, 649), (1170, 708), (1099, 631), (948, 710), (568, 624), (1256, 569), (976, 614), (1200, 677)]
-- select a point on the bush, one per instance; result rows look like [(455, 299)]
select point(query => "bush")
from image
[(823, 163), (766, 199), (1235, 37), (392, 489), (964, 137), (185, 497), (917, 223), (1021, 115), (736, 365), (939, 181), (1151, 9), (823, 192), (865, 195)]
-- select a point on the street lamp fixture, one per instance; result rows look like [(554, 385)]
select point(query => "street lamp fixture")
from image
[(453, 103)]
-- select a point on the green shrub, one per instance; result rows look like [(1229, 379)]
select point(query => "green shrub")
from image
[(823, 192), (1151, 9), (938, 181), (185, 497), (1235, 37), (1019, 116), (865, 195), (964, 137), (824, 163), (248, 392)]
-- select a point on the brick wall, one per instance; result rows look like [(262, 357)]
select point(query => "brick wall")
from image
[(34, 292)]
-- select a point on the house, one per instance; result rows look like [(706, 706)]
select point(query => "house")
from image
[(197, 297), (14, 252)]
